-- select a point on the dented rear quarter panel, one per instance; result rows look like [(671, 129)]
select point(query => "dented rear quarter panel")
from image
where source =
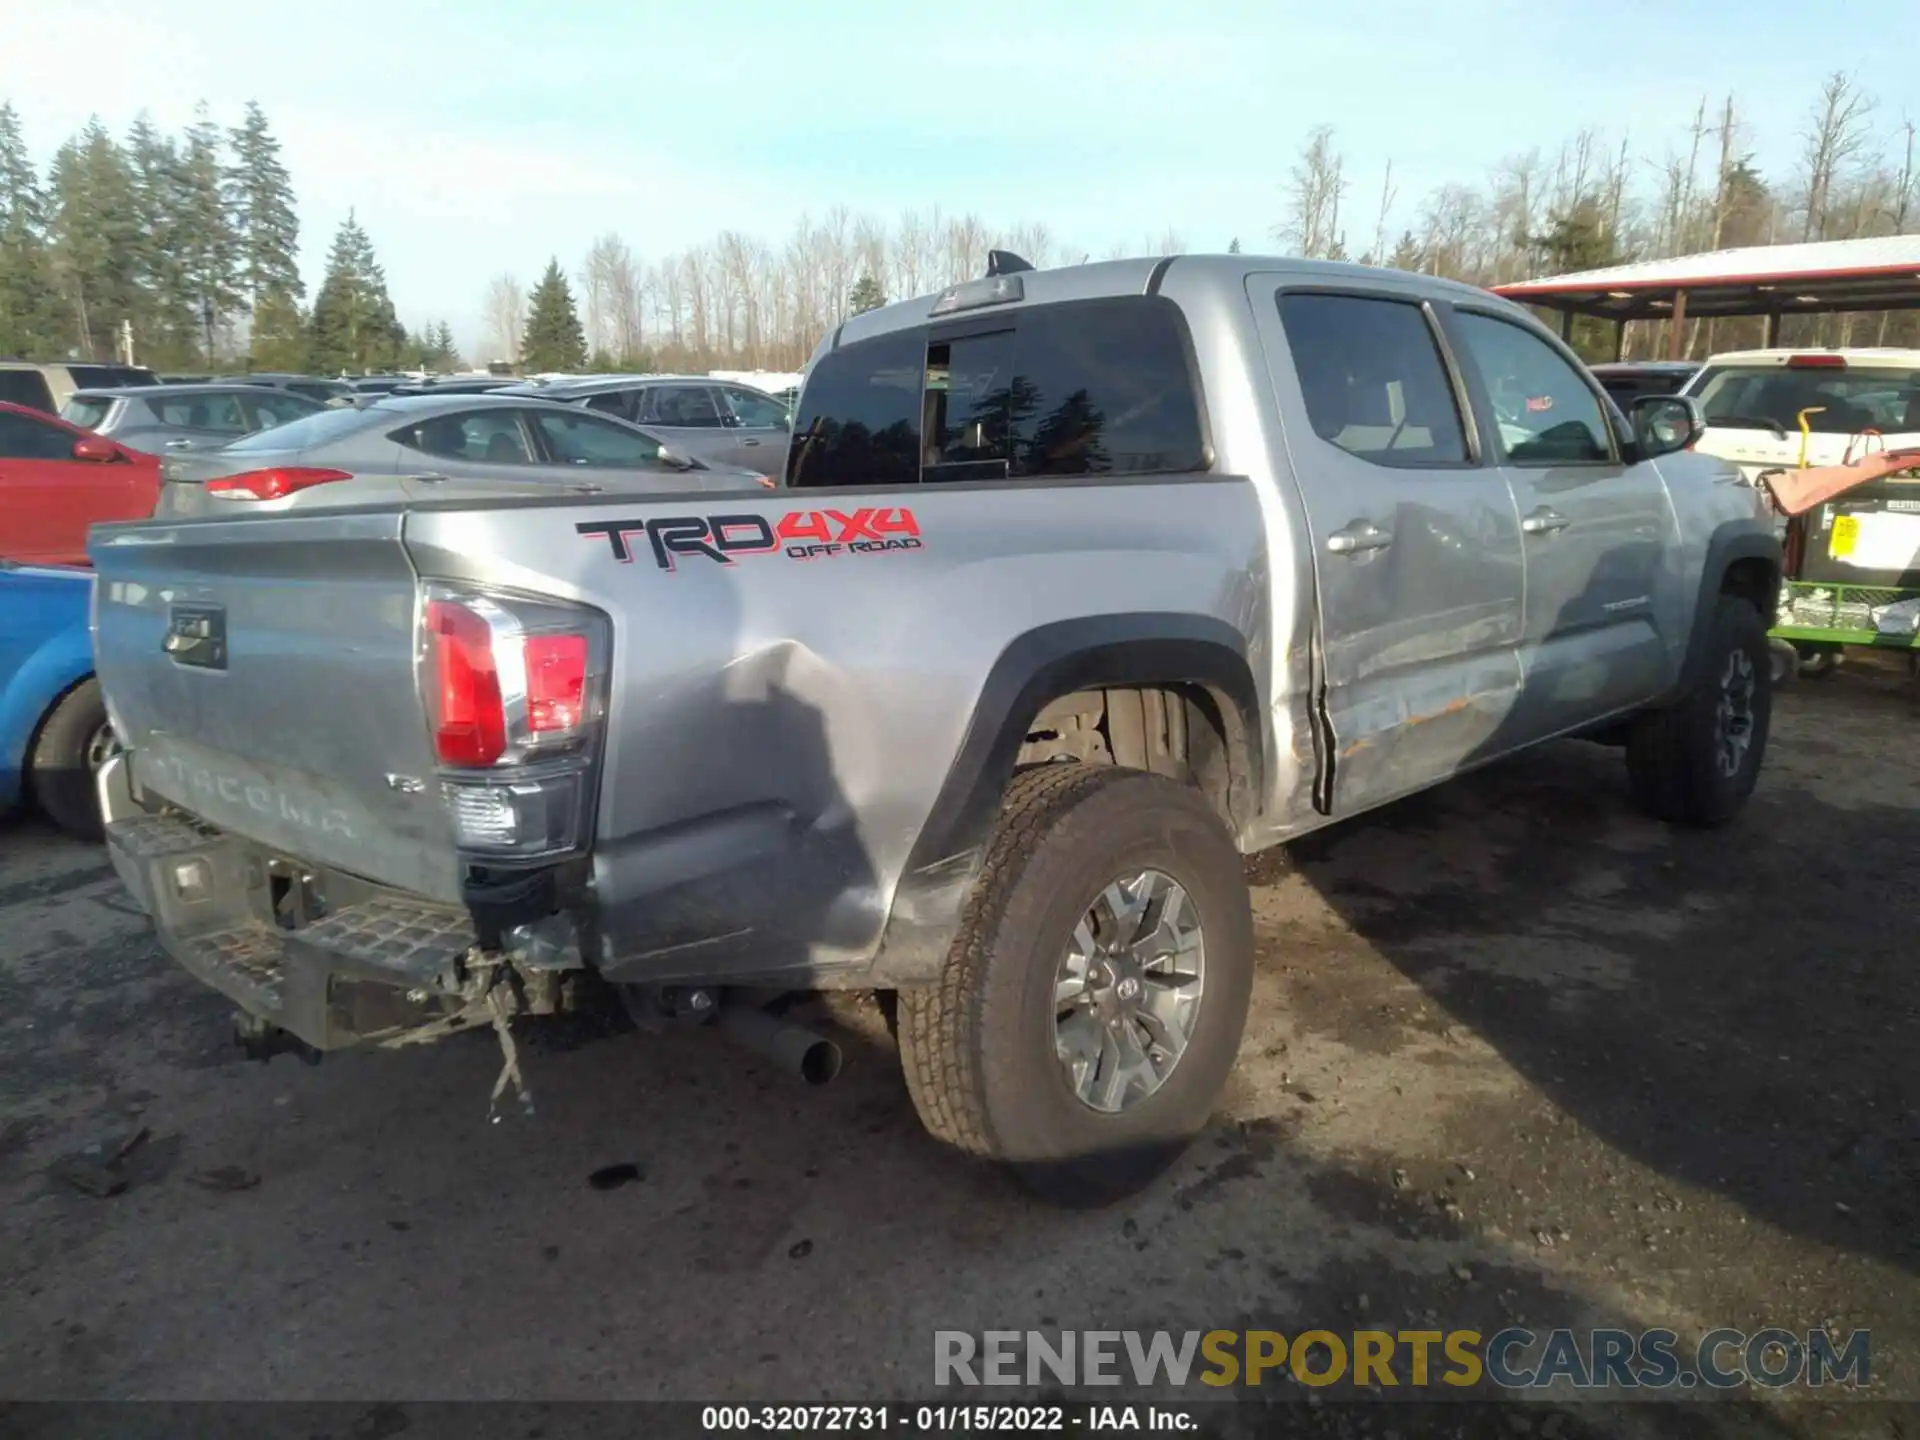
[(780, 726)]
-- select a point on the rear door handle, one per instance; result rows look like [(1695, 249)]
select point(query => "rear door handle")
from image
[(746, 443), (1544, 521), (1359, 536)]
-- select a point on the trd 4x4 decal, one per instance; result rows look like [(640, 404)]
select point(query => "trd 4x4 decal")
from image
[(801, 534)]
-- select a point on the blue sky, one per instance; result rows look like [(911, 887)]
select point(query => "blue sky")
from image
[(483, 136)]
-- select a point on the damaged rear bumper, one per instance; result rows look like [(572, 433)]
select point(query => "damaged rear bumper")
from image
[(328, 957)]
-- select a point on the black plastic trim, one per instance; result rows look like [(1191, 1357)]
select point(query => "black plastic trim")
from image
[(1097, 651), (1731, 542), (1159, 273)]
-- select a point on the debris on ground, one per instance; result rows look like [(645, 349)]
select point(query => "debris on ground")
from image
[(224, 1178), (612, 1177), (99, 1169)]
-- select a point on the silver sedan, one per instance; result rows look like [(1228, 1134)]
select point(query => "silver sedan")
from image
[(430, 447)]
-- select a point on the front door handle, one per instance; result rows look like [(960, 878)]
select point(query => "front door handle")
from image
[(748, 444), (1359, 536), (1544, 521), (179, 444)]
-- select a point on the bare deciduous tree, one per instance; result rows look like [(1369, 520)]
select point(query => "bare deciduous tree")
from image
[(1318, 180), (506, 313), (1834, 142)]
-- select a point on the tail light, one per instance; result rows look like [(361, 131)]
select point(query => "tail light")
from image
[(515, 690), (272, 484)]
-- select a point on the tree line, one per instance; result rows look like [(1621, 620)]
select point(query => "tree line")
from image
[(190, 242), (189, 246)]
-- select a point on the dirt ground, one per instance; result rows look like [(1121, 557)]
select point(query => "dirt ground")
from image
[(1516, 1055)]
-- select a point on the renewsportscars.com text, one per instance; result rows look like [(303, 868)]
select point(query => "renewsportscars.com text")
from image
[(1512, 1359)]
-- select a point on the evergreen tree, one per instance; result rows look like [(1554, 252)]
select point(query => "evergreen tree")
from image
[(866, 295), (209, 247), (279, 340), (165, 324), (1233, 246), (553, 340), (1407, 254), (260, 196), (445, 355), (95, 238), (354, 327), (29, 305)]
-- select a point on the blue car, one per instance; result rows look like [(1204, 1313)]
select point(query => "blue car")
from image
[(53, 723)]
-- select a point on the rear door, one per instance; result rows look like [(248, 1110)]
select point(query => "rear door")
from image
[(1597, 533), (48, 498), (1415, 544), (197, 421)]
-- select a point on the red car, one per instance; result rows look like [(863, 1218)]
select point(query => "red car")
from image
[(57, 479)]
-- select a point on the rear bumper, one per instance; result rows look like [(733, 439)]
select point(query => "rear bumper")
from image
[(375, 966)]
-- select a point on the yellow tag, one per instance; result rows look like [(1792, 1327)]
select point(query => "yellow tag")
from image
[(1846, 534)]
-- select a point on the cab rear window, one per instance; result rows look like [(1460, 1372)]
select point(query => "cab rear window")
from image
[(1093, 387)]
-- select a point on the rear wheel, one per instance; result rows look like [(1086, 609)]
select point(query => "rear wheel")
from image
[(74, 742), (1093, 1002), (1696, 762)]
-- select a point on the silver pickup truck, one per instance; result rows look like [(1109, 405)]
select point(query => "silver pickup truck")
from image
[(1084, 584)]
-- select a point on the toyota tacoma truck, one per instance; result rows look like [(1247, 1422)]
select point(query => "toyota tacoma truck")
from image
[(1084, 584)]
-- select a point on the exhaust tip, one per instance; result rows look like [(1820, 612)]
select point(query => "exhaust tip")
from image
[(820, 1063)]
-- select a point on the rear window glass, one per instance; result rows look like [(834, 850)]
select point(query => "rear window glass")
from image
[(1772, 397), (86, 411), (26, 387), (1095, 387), (860, 415), (104, 376), (319, 428)]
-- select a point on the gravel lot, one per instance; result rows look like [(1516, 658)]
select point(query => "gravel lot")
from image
[(1516, 1054)]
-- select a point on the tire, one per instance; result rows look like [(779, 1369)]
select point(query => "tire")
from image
[(65, 755), (1676, 767), (979, 1047)]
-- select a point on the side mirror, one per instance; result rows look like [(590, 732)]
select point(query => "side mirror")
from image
[(96, 448), (1663, 424)]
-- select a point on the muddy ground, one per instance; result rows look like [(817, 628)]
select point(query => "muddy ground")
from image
[(1517, 1055)]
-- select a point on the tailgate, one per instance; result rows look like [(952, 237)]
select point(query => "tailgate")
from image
[(263, 676)]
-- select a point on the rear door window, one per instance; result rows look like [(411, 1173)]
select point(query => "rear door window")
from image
[(277, 407), (615, 402), (1372, 378), (490, 437), (26, 387), (688, 407), (1091, 387), (217, 414)]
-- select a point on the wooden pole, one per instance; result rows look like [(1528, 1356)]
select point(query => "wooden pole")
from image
[(1677, 327)]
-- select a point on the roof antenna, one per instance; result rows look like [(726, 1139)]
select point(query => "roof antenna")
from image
[(1005, 262)]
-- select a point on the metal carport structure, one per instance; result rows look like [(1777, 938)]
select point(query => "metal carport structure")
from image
[(1819, 278)]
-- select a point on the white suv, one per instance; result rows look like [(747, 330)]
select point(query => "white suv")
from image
[(1753, 401)]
